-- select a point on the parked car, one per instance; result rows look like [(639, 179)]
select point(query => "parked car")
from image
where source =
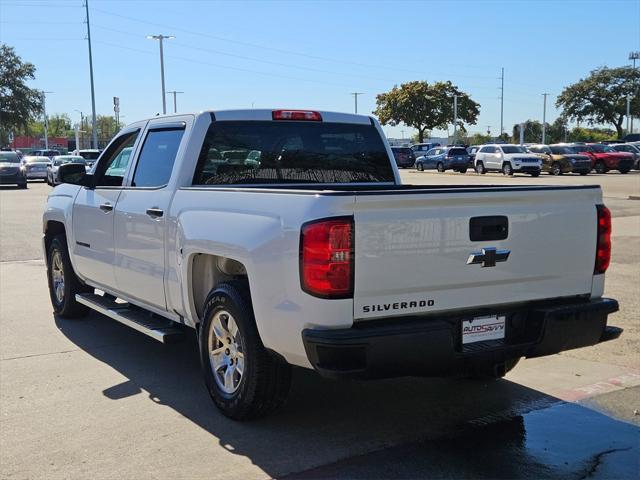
[(605, 158), (44, 153), (52, 170), (89, 154), (443, 159), (36, 167), (11, 170), (420, 149), (319, 257), (629, 148), (404, 156), (632, 137), (472, 150), (508, 159), (559, 159)]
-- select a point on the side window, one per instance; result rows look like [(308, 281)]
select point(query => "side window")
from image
[(107, 173), (157, 157), (430, 152)]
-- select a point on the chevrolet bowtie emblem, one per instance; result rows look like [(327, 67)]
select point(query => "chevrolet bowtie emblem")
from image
[(488, 257)]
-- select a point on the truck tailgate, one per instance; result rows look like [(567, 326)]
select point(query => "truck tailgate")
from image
[(412, 248)]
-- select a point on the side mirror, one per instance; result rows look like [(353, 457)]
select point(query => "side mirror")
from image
[(75, 174)]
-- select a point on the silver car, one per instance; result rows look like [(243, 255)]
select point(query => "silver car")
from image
[(36, 167)]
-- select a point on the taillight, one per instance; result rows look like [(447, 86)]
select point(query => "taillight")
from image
[(603, 247), (307, 115), (326, 258)]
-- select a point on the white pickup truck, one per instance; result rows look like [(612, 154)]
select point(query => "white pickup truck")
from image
[(285, 238)]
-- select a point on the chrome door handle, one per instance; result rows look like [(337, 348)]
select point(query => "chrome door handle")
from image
[(155, 212), (106, 207)]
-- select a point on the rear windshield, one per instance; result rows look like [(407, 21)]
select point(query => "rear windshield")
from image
[(457, 151), (401, 150), (263, 152), (89, 155)]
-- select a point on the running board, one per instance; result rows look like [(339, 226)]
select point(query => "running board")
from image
[(160, 329)]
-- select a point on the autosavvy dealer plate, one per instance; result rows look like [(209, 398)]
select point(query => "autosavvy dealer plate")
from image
[(480, 329)]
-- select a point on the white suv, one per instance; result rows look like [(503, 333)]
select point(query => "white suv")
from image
[(508, 159)]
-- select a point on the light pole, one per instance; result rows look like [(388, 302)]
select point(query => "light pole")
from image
[(502, 101), (544, 117), (355, 98), (633, 56), (455, 118), (160, 38), (46, 120), (175, 107), (79, 143), (93, 93)]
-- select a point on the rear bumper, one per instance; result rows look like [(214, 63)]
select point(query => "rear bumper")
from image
[(16, 179), (432, 346)]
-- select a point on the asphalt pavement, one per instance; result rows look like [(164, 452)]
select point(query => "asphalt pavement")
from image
[(91, 398)]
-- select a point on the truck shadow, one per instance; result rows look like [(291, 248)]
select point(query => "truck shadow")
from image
[(325, 421)]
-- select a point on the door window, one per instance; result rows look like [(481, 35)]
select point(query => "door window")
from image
[(112, 165), (157, 157)]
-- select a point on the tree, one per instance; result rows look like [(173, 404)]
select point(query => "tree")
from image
[(60, 125), (601, 98), (425, 106), (532, 132), (591, 135), (557, 131), (478, 139), (18, 103)]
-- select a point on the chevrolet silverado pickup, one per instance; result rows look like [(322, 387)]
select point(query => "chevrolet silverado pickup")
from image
[(285, 238)]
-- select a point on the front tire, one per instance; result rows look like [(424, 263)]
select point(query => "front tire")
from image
[(244, 380), (556, 169), (420, 167), (507, 169), (463, 170), (63, 282), (600, 167)]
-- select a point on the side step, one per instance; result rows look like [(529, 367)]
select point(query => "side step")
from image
[(161, 329)]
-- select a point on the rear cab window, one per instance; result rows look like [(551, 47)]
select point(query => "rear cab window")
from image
[(276, 152)]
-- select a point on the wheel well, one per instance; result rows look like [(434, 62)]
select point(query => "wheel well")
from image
[(53, 228), (207, 271)]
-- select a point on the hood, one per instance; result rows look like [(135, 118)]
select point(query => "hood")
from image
[(571, 156), (527, 156)]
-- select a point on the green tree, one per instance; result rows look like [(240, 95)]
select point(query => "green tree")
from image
[(591, 135), (478, 139), (425, 106), (532, 132), (557, 131), (601, 98), (18, 103), (60, 125)]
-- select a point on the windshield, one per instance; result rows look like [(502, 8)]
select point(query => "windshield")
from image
[(601, 148), (9, 157), (401, 150), (513, 149), (240, 152)]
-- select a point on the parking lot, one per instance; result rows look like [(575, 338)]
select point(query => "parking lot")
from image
[(91, 398)]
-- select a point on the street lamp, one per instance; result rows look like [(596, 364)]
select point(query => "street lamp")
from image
[(160, 38), (46, 120), (544, 117)]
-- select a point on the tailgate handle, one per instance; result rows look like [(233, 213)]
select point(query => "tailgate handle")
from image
[(483, 229)]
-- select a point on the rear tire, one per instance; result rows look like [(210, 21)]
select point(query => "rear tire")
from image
[(420, 167), (463, 170), (624, 171), (63, 282), (507, 169), (440, 167), (262, 383), (480, 168)]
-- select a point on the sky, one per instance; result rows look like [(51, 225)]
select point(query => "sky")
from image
[(314, 54)]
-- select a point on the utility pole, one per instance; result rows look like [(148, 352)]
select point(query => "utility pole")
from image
[(628, 113), (355, 98), (116, 111), (160, 38), (455, 118), (93, 92), (46, 120), (175, 107), (502, 102), (633, 56), (488, 130), (544, 117)]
